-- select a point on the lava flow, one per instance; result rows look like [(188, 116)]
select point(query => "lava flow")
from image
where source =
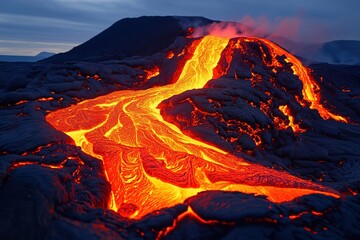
[(150, 163), (311, 91)]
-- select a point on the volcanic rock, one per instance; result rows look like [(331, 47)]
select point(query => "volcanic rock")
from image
[(129, 37)]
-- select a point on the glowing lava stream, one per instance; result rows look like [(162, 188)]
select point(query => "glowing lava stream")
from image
[(150, 163), (311, 91)]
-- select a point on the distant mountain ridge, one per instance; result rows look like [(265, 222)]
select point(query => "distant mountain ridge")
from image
[(13, 58), (341, 52), (333, 52)]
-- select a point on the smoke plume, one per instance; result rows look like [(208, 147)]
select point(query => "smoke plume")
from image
[(248, 26)]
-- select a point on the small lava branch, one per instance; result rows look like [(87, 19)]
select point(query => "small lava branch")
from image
[(311, 90), (150, 163)]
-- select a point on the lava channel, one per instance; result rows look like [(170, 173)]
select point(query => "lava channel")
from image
[(150, 163)]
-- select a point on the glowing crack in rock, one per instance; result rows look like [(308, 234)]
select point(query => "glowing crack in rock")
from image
[(150, 163)]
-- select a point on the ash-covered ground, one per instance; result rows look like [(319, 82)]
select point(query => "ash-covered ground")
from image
[(50, 189)]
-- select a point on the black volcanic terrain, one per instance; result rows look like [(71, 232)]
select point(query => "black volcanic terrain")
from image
[(144, 132), (130, 37)]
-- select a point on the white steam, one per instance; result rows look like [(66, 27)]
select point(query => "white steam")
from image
[(248, 26)]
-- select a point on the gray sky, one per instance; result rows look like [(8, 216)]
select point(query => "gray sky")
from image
[(31, 26)]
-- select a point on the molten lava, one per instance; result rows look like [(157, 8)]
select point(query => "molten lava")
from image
[(311, 90), (151, 164)]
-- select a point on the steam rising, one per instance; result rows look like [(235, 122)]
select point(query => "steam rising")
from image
[(248, 26), (286, 32)]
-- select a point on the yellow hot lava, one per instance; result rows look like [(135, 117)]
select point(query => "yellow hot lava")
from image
[(150, 163), (286, 111)]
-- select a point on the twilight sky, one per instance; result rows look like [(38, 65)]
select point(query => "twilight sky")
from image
[(28, 27)]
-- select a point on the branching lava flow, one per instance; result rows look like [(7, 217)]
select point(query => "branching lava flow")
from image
[(151, 164)]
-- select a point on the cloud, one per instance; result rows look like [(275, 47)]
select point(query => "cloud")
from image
[(37, 43), (39, 21), (60, 20), (31, 48)]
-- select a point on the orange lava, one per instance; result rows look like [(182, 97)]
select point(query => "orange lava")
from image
[(311, 90), (150, 163), (286, 111)]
